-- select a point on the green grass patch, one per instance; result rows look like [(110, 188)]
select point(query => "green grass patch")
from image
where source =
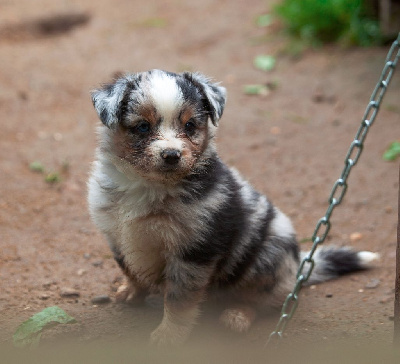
[(323, 21)]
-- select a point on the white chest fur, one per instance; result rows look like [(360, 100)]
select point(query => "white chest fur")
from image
[(145, 243), (143, 221)]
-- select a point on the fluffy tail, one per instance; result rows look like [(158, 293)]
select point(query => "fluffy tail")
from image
[(332, 262)]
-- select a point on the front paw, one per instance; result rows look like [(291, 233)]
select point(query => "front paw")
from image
[(169, 334), (128, 293)]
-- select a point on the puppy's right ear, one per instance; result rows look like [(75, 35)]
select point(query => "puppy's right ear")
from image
[(108, 102)]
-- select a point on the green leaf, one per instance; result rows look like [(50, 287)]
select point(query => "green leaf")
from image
[(262, 90), (392, 152), (36, 167), (265, 62), (52, 177), (29, 332), (264, 20)]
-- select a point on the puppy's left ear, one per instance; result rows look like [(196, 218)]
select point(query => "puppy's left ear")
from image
[(213, 94), (108, 101)]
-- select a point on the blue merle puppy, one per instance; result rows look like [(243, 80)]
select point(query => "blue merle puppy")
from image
[(178, 220)]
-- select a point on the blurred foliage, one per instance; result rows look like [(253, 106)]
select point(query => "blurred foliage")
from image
[(264, 62), (28, 334), (392, 152), (322, 21)]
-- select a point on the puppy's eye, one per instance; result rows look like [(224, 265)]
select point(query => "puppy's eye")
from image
[(190, 127), (143, 127)]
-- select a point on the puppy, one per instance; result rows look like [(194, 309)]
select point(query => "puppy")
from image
[(178, 220)]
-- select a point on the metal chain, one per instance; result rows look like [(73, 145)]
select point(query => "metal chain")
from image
[(339, 189)]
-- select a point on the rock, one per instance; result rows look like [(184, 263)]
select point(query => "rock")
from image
[(356, 236), (81, 272), (373, 283), (86, 256), (44, 296), (48, 284), (69, 292), (101, 300), (329, 295), (97, 263)]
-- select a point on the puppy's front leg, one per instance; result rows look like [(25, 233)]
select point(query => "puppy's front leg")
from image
[(185, 288)]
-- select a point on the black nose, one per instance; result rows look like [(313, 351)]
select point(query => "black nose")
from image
[(171, 156)]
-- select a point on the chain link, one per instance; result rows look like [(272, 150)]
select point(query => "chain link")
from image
[(339, 188)]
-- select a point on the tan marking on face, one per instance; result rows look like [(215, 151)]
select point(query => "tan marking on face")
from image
[(149, 113), (186, 115), (125, 146)]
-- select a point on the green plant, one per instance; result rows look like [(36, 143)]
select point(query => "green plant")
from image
[(264, 62), (322, 21), (51, 177), (392, 152), (28, 334)]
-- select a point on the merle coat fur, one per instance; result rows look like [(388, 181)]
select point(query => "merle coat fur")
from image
[(178, 220)]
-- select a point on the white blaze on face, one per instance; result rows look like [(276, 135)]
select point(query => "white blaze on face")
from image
[(167, 98), (166, 95)]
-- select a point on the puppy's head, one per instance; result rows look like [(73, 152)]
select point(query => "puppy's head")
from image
[(159, 124)]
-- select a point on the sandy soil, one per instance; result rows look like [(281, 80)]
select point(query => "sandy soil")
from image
[(290, 144)]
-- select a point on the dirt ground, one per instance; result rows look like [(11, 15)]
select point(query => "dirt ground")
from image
[(290, 144)]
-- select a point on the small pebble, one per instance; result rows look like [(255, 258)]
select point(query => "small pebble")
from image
[(373, 283), (69, 292), (80, 272), (48, 284), (44, 296), (356, 236), (329, 295), (86, 256), (97, 263), (101, 300)]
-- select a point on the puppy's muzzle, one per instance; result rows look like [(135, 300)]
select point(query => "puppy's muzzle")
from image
[(171, 156)]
